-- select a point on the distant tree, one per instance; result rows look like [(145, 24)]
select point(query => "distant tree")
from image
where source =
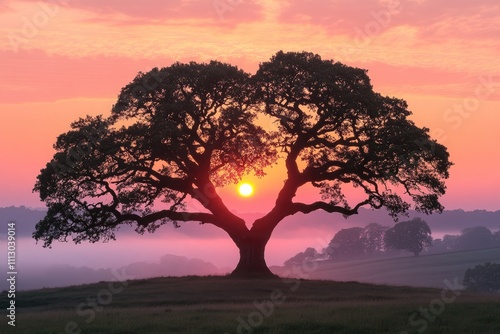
[(413, 235), (310, 254), (346, 243), (483, 278), (477, 237), (372, 238), (184, 131), (451, 242)]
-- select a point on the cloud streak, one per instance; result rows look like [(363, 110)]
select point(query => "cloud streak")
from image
[(131, 12), (436, 18), (68, 77), (3, 6)]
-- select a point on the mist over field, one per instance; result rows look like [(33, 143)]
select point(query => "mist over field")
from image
[(204, 250)]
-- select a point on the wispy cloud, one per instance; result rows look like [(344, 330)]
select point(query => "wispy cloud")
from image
[(432, 17), (4, 5), (47, 77), (131, 12)]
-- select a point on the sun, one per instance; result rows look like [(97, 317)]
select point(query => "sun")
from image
[(245, 189)]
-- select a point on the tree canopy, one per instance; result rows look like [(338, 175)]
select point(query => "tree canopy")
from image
[(413, 235), (357, 241), (188, 129), (346, 242), (483, 277)]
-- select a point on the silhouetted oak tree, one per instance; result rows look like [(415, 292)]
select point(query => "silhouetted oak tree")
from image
[(183, 131)]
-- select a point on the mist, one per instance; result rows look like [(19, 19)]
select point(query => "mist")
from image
[(203, 250)]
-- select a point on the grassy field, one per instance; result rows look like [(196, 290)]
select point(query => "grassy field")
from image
[(223, 305), (423, 270)]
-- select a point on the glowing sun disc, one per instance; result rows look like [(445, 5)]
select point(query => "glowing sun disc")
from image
[(245, 189)]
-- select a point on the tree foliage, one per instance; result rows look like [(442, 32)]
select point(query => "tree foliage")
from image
[(413, 235), (477, 237), (372, 238), (330, 119), (181, 132), (356, 241), (186, 134), (346, 243), (484, 278)]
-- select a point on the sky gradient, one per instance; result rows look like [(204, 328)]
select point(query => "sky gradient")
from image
[(64, 59)]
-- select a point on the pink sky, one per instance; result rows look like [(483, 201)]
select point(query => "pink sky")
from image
[(61, 60)]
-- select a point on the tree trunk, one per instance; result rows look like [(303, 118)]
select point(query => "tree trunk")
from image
[(252, 263)]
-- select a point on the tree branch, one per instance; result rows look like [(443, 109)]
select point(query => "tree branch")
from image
[(308, 208), (204, 218)]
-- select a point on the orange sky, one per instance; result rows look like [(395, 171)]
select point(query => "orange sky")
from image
[(62, 59)]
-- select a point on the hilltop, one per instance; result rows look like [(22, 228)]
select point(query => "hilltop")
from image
[(222, 305)]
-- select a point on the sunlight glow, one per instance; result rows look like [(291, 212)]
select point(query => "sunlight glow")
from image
[(245, 189)]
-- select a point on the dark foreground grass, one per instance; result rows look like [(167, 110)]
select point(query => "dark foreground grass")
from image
[(223, 305)]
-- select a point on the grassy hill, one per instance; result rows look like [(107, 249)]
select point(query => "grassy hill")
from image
[(424, 270), (222, 305)]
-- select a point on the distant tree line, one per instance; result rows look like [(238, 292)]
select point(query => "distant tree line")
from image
[(413, 236), (477, 237)]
